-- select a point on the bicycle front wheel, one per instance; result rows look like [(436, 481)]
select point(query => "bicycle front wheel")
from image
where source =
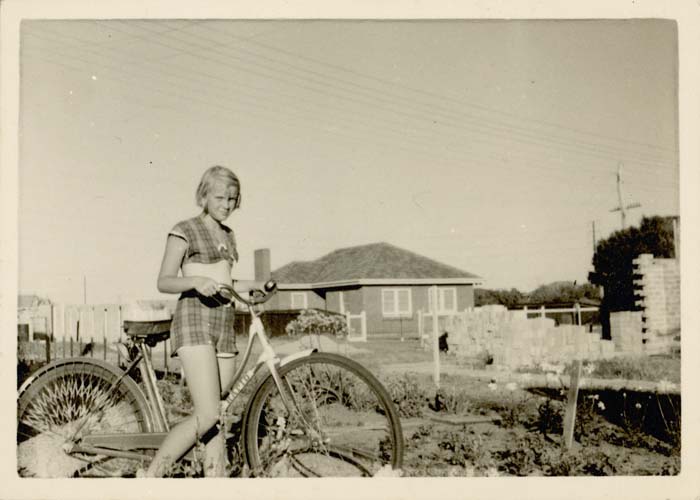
[(332, 418), (67, 401)]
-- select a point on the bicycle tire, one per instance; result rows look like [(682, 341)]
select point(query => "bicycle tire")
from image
[(352, 427), (60, 398)]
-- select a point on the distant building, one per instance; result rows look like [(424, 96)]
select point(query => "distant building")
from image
[(389, 284), (34, 315)]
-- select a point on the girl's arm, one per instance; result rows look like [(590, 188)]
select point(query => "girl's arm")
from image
[(168, 279)]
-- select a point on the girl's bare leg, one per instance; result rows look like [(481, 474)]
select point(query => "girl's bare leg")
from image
[(215, 456), (202, 375)]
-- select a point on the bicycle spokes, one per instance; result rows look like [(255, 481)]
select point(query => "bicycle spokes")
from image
[(339, 424)]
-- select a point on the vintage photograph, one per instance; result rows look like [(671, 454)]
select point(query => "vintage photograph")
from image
[(390, 248)]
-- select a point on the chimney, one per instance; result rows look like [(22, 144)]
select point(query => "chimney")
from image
[(262, 264)]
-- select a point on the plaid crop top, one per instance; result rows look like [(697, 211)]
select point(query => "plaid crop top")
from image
[(202, 246)]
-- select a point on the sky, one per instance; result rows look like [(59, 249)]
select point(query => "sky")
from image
[(492, 146)]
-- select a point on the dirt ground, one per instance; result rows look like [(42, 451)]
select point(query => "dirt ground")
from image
[(483, 422)]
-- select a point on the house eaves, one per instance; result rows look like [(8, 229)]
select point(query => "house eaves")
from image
[(380, 282)]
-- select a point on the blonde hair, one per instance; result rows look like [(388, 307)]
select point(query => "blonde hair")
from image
[(212, 175)]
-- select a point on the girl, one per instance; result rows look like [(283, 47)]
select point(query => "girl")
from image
[(202, 335)]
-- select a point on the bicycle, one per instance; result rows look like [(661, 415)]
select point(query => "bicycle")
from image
[(310, 414)]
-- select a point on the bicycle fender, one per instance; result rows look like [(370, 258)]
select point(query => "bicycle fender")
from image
[(296, 355), (60, 362)]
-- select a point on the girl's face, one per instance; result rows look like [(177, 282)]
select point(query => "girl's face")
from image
[(220, 200)]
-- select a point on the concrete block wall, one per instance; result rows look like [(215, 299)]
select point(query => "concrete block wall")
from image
[(658, 287), (516, 341), (626, 331)]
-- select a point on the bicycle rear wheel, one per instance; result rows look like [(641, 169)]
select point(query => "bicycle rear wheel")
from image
[(346, 424), (67, 401)]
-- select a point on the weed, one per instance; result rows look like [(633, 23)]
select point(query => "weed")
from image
[(549, 417), (533, 455), (453, 401), (465, 449)]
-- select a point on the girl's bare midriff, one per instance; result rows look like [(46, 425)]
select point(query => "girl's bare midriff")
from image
[(218, 271)]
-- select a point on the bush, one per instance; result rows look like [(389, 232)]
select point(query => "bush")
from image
[(407, 393), (312, 321)]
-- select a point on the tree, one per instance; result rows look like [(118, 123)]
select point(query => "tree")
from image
[(563, 291), (509, 298), (613, 259)]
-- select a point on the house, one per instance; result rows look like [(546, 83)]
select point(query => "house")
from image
[(388, 284)]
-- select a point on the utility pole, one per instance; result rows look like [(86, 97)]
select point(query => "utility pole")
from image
[(621, 207)]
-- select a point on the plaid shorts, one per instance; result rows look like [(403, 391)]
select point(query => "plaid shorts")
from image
[(200, 320)]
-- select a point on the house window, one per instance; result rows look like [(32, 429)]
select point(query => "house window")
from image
[(299, 300), (447, 300), (396, 302)]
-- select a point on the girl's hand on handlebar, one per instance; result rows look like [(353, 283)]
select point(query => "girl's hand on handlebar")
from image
[(206, 286)]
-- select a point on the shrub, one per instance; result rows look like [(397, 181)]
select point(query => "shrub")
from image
[(312, 321), (407, 393)]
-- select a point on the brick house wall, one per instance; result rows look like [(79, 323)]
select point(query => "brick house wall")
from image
[(380, 325), (283, 300)]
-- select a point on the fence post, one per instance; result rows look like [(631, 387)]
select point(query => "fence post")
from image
[(104, 333), (578, 313), (542, 314), (48, 349), (364, 324), (420, 329), (436, 346), (570, 415)]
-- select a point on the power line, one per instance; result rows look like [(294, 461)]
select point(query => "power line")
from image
[(170, 47), (442, 97), (159, 91), (580, 148), (173, 109)]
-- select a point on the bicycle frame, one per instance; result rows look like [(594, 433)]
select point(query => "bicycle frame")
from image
[(122, 445)]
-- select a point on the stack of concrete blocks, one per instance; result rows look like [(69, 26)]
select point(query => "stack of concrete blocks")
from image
[(659, 290), (518, 343), (515, 341), (471, 333), (626, 331), (529, 342)]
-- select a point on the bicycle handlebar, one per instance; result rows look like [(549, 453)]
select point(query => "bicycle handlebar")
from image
[(257, 296)]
